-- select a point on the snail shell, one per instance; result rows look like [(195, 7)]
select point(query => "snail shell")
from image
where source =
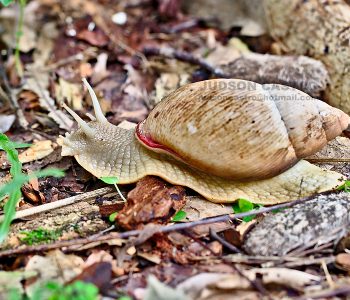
[(239, 129)]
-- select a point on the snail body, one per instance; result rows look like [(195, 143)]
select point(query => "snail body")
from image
[(230, 143)]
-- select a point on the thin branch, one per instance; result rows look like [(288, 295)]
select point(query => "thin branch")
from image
[(222, 241), (326, 160), (60, 203), (186, 57), (162, 229), (343, 290)]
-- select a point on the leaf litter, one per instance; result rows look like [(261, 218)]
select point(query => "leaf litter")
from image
[(62, 42)]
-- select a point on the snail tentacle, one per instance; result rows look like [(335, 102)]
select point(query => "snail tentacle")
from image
[(83, 125), (97, 108)]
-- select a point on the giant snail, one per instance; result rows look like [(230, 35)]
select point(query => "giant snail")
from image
[(224, 138)]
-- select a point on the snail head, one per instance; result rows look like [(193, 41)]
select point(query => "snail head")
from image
[(96, 132)]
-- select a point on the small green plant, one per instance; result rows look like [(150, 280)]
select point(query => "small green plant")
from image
[(78, 290), (19, 145), (6, 2), (39, 235), (12, 189), (112, 217), (345, 187), (243, 205), (19, 32), (114, 181), (179, 216)]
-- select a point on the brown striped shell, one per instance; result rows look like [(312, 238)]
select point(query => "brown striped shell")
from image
[(240, 129)]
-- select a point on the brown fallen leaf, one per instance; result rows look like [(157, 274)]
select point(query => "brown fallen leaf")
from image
[(71, 92), (197, 208), (32, 192), (342, 261), (198, 285), (152, 200), (6, 122), (99, 273), (55, 266), (38, 150), (108, 209), (91, 34)]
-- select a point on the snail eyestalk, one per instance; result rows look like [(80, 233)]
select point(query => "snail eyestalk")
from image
[(97, 108), (83, 125)]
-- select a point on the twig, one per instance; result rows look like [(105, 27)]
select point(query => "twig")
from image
[(186, 57), (328, 160), (343, 290), (60, 203), (86, 54), (280, 261), (162, 229), (222, 241), (328, 276)]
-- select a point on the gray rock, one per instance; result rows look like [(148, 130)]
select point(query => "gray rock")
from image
[(325, 217)]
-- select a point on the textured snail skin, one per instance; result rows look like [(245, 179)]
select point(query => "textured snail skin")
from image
[(114, 151), (107, 150)]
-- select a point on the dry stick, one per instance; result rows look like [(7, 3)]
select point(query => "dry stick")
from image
[(60, 203), (162, 229), (222, 241), (86, 54), (186, 57), (328, 160), (343, 290)]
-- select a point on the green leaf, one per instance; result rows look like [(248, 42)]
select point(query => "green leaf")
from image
[(6, 2), (112, 217), (78, 290), (18, 145), (345, 187), (244, 205), (12, 155), (39, 235), (47, 172), (10, 210), (13, 188), (110, 180), (180, 215)]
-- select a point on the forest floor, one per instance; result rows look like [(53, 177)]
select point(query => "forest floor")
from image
[(153, 247)]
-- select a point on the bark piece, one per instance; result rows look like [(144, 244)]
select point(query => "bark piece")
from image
[(324, 218), (303, 73), (319, 29)]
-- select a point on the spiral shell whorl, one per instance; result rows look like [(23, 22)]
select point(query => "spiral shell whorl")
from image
[(242, 130)]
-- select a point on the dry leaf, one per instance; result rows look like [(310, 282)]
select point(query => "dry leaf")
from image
[(223, 55), (39, 85), (198, 208), (154, 258), (55, 266), (152, 200), (222, 281), (70, 93), (38, 150), (6, 122), (343, 261)]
